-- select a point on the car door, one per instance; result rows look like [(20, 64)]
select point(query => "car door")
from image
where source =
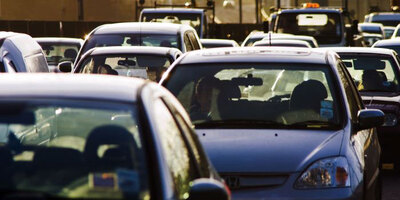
[(175, 151), (365, 142)]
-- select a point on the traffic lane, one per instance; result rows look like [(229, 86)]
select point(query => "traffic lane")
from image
[(391, 185)]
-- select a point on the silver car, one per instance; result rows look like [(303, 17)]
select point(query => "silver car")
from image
[(280, 123)]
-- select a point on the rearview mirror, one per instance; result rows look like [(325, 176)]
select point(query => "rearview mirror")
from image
[(370, 118), (65, 66), (208, 189)]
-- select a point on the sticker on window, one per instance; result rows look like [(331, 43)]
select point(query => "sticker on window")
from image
[(103, 180), (326, 110)]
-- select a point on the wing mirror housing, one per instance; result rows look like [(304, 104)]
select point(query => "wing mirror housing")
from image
[(65, 66), (370, 118), (208, 189)]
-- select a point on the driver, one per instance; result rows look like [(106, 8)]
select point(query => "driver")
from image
[(201, 109)]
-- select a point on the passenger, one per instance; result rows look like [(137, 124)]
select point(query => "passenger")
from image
[(371, 80), (201, 109)]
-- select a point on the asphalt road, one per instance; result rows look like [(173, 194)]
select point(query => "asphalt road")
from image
[(391, 185)]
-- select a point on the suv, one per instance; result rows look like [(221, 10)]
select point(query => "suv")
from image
[(280, 123), (195, 18)]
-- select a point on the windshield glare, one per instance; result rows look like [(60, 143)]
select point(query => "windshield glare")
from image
[(377, 73), (157, 40), (72, 149), (325, 28), (269, 95), (59, 52), (142, 66)]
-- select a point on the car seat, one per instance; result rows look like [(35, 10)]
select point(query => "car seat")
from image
[(119, 154), (70, 54), (372, 80), (307, 96)]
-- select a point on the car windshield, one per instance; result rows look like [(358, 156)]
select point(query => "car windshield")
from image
[(371, 29), (71, 149), (157, 40), (373, 73), (141, 65), (325, 28), (191, 19), (57, 52), (257, 95)]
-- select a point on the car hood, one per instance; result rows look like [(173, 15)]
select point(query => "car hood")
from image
[(268, 151)]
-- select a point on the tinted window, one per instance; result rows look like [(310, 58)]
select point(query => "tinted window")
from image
[(175, 150), (143, 66), (266, 95), (325, 28), (79, 149), (131, 40), (373, 73)]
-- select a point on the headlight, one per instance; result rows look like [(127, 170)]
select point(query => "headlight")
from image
[(325, 173), (390, 119)]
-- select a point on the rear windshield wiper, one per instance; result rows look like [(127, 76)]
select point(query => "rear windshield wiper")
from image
[(239, 123)]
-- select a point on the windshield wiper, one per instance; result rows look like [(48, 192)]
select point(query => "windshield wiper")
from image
[(239, 123), (313, 124)]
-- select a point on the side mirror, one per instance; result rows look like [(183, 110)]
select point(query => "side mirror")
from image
[(370, 118), (208, 189), (65, 66), (265, 26)]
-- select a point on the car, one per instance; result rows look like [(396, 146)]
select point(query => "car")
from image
[(369, 39), (98, 137), (389, 30), (182, 37), (213, 43), (282, 43), (194, 17), (376, 73), (396, 32), (326, 25), (393, 44), (143, 62), (255, 36), (58, 49), (385, 18), (309, 39), (374, 28), (20, 53), (280, 123)]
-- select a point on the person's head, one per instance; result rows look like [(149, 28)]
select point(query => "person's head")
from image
[(204, 92)]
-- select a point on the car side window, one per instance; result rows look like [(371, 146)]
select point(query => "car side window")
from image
[(187, 42), (350, 96), (175, 150), (87, 67), (194, 41)]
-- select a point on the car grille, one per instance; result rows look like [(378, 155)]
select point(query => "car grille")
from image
[(236, 181)]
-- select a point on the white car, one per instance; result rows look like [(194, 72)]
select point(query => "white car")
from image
[(142, 62), (20, 53), (214, 43), (58, 49), (182, 37)]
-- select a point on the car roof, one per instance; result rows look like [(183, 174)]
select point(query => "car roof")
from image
[(174, 10), (311, 10), (283, 42), (358, 50), (217, 41), (133, 50), (69, 86), (141, 27), (256, 54), (59, 39), (388, 42)]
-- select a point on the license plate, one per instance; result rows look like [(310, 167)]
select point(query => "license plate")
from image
[(388, 166)]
